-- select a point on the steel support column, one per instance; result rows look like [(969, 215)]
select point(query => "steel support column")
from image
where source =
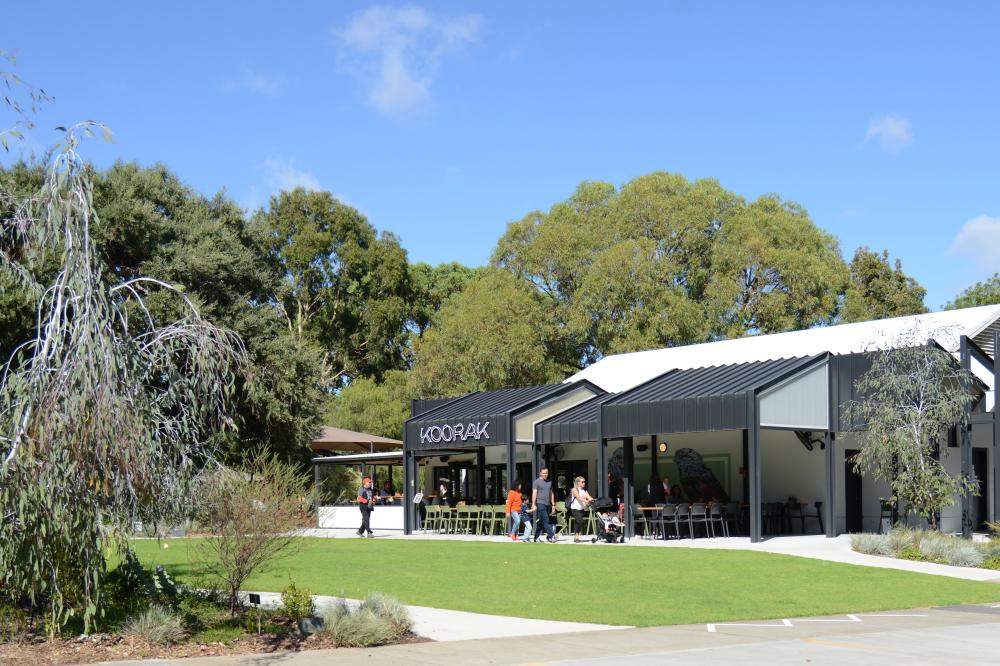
[(654, 460), (829, 439), (480, 474), (996, 426), (756, 531), (965, 357), (511, 455), (628, 484), (746, 467), (409, 490)]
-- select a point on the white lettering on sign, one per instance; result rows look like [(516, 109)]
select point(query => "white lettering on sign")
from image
[(455, 433)]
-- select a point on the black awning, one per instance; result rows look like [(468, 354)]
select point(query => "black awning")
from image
[(695, 400), (479, 418), (692, 400)]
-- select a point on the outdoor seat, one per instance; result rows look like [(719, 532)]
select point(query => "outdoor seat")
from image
[(500, 523), (682, 515), (698, 515), (484, 520), (793, 513), (639, 519), (717, 516), (465, 520), (667, 515), (818, 506), (430, 518)]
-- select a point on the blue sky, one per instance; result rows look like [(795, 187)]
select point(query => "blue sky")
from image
[(443, 122)]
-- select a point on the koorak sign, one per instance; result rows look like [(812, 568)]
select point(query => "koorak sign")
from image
[(455, 433)]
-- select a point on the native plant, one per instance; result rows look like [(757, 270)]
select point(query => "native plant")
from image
[(909, 399), (252, 513), (107, 412)]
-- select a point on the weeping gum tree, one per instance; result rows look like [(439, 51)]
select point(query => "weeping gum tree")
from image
[(910, 398), (106, 414)]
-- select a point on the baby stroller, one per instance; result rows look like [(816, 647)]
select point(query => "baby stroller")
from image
[(609, 526)]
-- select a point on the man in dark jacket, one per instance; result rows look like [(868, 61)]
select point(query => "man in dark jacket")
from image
[(366, 502)]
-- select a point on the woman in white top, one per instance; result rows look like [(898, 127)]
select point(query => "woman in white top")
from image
[(579, 500)]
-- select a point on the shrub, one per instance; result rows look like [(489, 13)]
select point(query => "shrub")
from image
[(902, 538), (298, 602), (871, 544), (935, 547), (157, 625), (992, 563), (359, 628), (377, 620), (910, 553), (963, 553), (990, 549), (390, 609), (253, 513)]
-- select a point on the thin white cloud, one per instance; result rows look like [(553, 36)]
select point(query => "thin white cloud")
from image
[(259, 84), (283, 175), (397, 52), (892, 132), (979, 238)]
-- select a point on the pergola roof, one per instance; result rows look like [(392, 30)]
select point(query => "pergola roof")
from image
[(621, 372), (349, 441)]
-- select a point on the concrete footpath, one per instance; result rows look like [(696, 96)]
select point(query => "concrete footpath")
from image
[(439, 624), (954, 635)]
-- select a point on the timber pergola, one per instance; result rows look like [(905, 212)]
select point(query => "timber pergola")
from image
[(802, 394), (472, 422)]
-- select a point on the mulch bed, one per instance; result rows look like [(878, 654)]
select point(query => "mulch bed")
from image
[(38, 651)]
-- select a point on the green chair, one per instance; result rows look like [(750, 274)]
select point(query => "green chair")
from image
[(499, 522), (431, 515)]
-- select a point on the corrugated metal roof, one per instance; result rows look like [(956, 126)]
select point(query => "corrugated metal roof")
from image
[(692, 400), (709, 382), (624, 371), (695, 400)]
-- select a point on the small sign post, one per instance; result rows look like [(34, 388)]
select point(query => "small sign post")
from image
[(255, 601)]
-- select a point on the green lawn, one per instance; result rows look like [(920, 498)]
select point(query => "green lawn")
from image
[(604, 584)]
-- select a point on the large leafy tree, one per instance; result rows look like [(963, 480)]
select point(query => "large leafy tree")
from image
[(986, 292), (496, 333), (909, 399), (344, 285), (878, 289), (379, 408), (772, 270), (665, 261), (431, 287)]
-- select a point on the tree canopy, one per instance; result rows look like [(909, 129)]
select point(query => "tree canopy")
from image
[(986, 292), (879, 290)]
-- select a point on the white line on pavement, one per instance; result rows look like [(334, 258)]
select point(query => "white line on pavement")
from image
[(851, 617)]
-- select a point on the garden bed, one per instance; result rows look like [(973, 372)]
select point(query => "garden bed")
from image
[(927, 546), (38, 651)]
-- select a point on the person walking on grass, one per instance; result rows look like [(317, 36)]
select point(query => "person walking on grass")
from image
[(366, 502), (577, 502), (514, 503), (544, 502)]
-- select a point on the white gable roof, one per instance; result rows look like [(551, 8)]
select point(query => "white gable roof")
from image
[(623, 371)]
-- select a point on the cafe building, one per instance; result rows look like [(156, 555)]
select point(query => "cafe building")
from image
[(749, 422)]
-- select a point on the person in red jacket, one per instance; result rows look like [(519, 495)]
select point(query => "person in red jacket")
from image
[(366, 502)]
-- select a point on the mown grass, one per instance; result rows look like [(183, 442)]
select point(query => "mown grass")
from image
[(603, 584)]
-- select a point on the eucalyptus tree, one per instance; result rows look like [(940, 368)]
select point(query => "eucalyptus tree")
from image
[(909, 399), (878, 289), (107, 412), (986, 292)]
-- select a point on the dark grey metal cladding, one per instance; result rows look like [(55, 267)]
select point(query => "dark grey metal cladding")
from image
[(576, 424), (845, 370), (488, 406), (694, 400)]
